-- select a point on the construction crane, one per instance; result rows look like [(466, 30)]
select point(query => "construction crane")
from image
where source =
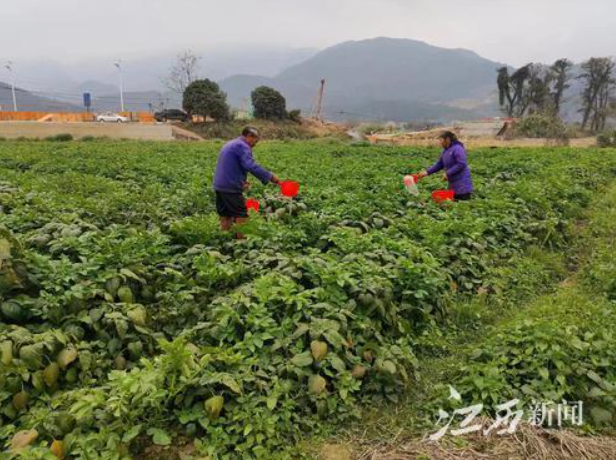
[(317, 107)]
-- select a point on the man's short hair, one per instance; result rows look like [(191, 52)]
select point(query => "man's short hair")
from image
[(250, 131)]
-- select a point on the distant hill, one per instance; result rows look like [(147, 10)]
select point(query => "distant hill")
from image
[(59, 86), (145, 73), (396, 79)]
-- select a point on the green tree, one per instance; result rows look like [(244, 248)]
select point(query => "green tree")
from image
[(511, 88), (599, 84), (560, 77), (269, 104), (204, 98), (531, 89), (537, 98)]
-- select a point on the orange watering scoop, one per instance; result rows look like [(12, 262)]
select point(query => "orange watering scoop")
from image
[(289, 188)]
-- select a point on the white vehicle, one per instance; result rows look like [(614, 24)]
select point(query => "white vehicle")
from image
[(109, 117)]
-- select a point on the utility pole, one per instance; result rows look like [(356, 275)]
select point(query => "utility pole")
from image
[(319, 116), (119, 66), (9, 66)]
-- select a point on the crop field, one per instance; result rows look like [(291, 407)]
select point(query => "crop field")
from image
[(128, 321)]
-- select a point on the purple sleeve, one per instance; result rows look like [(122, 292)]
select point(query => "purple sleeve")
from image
[(459, 155), (249, 164), (436, 167)]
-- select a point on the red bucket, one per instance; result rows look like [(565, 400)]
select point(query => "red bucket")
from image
[(253, 204), (443, 195), (289, 188)]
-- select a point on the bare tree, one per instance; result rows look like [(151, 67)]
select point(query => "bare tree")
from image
[(183, 73), (598, 75)]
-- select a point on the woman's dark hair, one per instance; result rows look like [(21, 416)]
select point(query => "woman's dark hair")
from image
[(449, 135)]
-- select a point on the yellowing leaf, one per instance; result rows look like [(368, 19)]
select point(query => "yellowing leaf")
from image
[(23, 439), (66, 357)]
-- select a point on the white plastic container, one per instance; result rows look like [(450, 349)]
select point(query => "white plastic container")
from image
[(411, 185)]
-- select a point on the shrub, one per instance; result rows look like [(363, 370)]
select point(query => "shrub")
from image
[(205, 98), (607, 139), (269, 104), (296, 116), (60, 138), (269, 130), (88, 138), (541, 126)]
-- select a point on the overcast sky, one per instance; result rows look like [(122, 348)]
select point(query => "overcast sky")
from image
[(512, 31)]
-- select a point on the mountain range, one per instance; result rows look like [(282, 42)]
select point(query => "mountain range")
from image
[(384, 78), (374, 79)]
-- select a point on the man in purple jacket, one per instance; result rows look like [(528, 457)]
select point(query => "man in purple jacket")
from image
[(453, 161), (235, 161)]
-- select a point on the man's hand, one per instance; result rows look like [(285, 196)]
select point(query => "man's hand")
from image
[(275, 180), (246, 185)]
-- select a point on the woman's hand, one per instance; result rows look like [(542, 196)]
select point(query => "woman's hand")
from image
[(445, 178), (246, 185), (422, 174)]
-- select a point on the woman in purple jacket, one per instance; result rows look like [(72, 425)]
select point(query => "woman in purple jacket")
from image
[(453, 161)]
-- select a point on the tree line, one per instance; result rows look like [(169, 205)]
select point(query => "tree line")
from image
[(539, 89), (204, 97)]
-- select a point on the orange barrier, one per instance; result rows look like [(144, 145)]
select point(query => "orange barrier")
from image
[(21, 116), (67, 117), (143, 117)]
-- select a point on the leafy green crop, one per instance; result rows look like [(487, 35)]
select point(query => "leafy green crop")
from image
[(125, 314)]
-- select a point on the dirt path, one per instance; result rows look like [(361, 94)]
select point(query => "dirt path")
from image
[(490, 142)]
